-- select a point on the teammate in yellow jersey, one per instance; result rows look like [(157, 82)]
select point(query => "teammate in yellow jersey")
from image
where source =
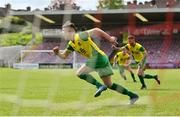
[(123, 60), (82, 43), (139, 55)]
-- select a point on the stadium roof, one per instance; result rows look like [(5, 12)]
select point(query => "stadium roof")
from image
[(108, 18)]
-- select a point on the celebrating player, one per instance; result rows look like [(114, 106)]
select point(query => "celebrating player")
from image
[(97, 60), (139, 55), (123, 60)]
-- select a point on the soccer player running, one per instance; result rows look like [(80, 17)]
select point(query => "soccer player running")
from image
[(97, 60), (123, 60), (139, 55)]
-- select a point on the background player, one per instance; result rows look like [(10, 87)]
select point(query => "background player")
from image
[(123, 60), (139, 55)]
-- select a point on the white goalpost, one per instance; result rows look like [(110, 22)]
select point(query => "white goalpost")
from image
[(33, 51), (28, 64)]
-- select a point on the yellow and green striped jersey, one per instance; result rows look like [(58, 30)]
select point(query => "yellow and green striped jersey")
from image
[(137, 51), (122, 58), (84, 45)]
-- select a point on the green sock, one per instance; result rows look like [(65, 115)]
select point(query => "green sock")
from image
[(141, 78), (90, 79), (132, 75), (148, 76), (121, 90), (124, 77)]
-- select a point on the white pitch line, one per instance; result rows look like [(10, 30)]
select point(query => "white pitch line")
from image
[(114, 101), (19, 92), (51, 94), (8, 98)]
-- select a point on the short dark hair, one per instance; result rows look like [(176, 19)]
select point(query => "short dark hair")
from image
[(69, 24), (131, 36)]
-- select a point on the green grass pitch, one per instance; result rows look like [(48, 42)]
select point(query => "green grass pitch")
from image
[(60, 92)]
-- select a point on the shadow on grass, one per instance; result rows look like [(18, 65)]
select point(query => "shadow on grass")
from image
[(126, 106)]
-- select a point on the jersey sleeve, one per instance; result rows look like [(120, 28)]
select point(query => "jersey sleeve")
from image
[(142, 49), (84, 35), (69, 47), (126, 46)]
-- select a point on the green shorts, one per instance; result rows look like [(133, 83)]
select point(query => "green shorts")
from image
[(121, 68), (100, 63)]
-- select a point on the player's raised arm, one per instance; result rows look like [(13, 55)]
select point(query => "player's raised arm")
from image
[(62, 54), (100, 33), (120, 48)]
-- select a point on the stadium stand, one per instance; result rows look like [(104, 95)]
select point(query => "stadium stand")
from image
[(152, 44), (156, 49)]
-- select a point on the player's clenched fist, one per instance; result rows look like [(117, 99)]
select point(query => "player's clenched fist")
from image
[(56, 50), (113, 40)]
